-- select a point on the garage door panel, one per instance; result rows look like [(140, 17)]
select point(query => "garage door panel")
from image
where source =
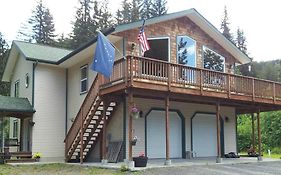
[(204, 135), (156, 135)]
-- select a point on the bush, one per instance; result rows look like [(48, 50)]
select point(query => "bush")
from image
[(276, 150), (124, 168)]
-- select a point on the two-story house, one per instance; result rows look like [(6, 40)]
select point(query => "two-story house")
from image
[(184, 90)]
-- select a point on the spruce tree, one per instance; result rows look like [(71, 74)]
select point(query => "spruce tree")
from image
[(42, 25), (83, 24), (225, 26), (146, 9), (159, 8), (241, 41), (135, 12), (4, 86), (102, 17), (124, 15)]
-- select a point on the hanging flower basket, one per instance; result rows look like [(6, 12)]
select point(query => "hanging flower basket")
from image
[(135, 113), (134, 141)]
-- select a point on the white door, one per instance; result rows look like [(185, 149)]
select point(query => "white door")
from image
[(156, 137), (204, 135)]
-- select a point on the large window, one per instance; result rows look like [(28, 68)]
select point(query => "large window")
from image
[(83, 79), (15, 128), (17, 88), (159, 48), (213, 60), (186, 51)]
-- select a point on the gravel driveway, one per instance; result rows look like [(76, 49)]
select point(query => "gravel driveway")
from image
[(259, 168)]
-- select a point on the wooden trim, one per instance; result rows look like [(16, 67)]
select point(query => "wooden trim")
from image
[(81, 138), (130, 127), (253, 132), (259, 133), (218, 130), (167, 127), (105, 105)]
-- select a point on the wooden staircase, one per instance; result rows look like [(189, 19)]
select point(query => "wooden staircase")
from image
[(89, 121)]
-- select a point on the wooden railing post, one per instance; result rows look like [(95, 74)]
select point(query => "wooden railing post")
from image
[(228, 85), (169, 76), (274, 92), (201, 82), (253, 89), (131, 70), (126, 70)]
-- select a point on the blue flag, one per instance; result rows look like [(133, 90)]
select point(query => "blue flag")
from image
[(104, 56)]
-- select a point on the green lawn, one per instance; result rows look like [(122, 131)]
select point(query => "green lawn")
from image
[(55, 169), (275, 156)]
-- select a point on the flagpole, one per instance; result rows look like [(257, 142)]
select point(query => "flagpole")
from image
[(114, 46)]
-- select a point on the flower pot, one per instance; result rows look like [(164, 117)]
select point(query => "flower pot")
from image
[(140, 161), (135, 115)]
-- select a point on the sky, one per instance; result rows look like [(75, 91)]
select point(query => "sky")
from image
[(259, 19)]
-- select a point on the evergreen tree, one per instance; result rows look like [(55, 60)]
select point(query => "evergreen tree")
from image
[(63, 42), (135, 12), (83, 25), (241, 41), (102, 18), (146, 9), (225, 26), (4, 86), (159, 8), (42, 25), (182, 52), (213, 61), (124, 15)]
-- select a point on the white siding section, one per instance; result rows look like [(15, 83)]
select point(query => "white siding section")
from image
[(49, 128), (75, 99)]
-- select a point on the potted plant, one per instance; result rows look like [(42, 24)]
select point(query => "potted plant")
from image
[(135, 112), (37, 156), (140, 161)]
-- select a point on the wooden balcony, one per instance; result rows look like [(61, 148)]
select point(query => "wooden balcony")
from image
[(183, 82)]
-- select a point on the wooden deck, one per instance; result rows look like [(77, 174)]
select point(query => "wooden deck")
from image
[(159, 76)]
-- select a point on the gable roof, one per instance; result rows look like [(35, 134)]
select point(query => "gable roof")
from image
[(41, 53), (200, 21)]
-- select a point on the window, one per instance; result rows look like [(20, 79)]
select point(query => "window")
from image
[(186, 51), (213, 60), (15, 128), (83, 79), (26, 80), (159, 48), (17, 88)]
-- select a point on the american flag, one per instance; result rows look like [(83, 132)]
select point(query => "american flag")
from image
[(143, 41)]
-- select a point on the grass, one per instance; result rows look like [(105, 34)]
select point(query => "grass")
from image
[(265, 155), (56, 169)]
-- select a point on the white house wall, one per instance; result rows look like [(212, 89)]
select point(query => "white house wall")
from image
[(188, 110), (75, 99), (49, 129), (22, 68)]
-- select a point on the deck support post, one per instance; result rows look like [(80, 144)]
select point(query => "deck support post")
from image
[(253, 133), (167, 127), (103, 141), (81, 137), (259, 136), (130, 129), (219, 159), (21, 133)]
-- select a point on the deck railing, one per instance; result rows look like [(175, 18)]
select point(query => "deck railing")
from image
[(175, 75)]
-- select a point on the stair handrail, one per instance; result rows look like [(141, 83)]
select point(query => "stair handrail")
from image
[(76, 125)]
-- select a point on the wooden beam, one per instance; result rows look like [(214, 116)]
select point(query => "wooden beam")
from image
[(105, 105), (259, 133), (130, 127), (167, 126), (253, 132), (218, 132)]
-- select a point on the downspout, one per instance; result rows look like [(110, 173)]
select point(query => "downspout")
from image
[(33, 81), (66, 100)]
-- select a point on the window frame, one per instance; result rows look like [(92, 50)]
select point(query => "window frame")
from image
[(84, 79), (195, 47), (17, 88), (203, 60), (15, 128)]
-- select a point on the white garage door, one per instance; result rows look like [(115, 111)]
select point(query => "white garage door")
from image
[(204, 135), (156, 137)]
